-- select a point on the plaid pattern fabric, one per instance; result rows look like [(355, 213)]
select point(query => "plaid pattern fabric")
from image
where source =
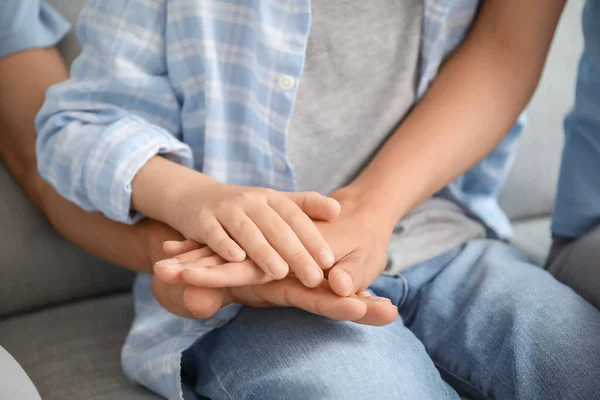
[(25, 24), (210, 84)]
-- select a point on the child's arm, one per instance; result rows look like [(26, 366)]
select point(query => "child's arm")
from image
[(118, 112)]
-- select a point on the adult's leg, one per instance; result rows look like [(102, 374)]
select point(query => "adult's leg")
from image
[(498, 327), (14, 382), (577, 208), (291, 354), (576, 263)]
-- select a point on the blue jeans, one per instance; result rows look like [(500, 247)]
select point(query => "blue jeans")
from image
[(478, 321), (577, 208)]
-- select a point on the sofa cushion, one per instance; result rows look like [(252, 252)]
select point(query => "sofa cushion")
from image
[(39, 267), (72, 352), (532, 236)]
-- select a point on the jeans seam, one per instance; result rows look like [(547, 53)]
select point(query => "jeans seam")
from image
[(217, 377), (466, 382), (405, 291)]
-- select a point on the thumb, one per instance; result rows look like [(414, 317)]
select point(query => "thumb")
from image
[(170, 297), (188, 301), (316, 206), (353, 274)]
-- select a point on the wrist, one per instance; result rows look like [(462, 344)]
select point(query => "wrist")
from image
[(153, 235), (366, 209), (160, 187)]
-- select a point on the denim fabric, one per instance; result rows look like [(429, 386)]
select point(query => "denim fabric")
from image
[(478, 321), (577, 208)]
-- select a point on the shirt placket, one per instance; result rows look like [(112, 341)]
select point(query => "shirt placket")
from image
[(293, 23)]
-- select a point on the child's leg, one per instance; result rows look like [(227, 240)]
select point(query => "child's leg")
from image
[(577, 264), (500, 328), (290, 354)]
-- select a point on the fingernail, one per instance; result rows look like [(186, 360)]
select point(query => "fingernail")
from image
[(314, 275), (171, 263), (278, 269), (172, 243), (345, 282), (364, 294), (383, 300), (326, 258)]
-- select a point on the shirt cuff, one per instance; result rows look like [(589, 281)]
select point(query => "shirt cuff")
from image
[(118, 155), (35, 27)]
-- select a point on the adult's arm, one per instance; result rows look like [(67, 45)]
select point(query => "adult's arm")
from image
[(469, 108)]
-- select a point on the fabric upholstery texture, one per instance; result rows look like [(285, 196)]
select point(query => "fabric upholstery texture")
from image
[(72, 352), (39, 267)]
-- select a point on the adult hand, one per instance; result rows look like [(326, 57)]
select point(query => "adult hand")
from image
[(358, 240), (191, 301)]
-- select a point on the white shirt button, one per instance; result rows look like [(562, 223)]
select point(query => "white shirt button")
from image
[(280, 165), (286, 82)]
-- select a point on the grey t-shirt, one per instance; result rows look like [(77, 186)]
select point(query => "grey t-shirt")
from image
[(359, 82)]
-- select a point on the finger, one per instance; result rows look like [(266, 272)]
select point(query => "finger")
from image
[(170, 297), (285, 242), (306, 231), (380, 312), (353, 274), (246, 273), (215, 237), (170, 270), (290, 292), (174, 247), (196, 255), (203, 303), (251, 239), (315, 205)]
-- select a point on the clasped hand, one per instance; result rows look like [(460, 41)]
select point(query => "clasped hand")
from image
[(197, 280)]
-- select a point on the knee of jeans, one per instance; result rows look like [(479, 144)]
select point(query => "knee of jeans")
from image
[(546, 324), (270, 354)]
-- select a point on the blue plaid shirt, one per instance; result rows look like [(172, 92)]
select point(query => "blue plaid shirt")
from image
[(26, 24), (210, 84)]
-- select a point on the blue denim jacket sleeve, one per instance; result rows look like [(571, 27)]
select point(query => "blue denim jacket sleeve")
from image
[(577, 208), (26, 24), (96, 130)]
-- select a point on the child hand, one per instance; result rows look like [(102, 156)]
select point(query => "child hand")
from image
[(273, 229), (178, 292), (198, 265)]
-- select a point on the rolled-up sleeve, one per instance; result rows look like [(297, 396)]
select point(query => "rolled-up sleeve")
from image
[(118, 109), (26, 24)]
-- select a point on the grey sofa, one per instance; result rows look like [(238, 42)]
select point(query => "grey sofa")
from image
[(64, 314)]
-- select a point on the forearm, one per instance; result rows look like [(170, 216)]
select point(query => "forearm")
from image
[(24, 78), (130, 246), (471, 105), (158, 185)]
